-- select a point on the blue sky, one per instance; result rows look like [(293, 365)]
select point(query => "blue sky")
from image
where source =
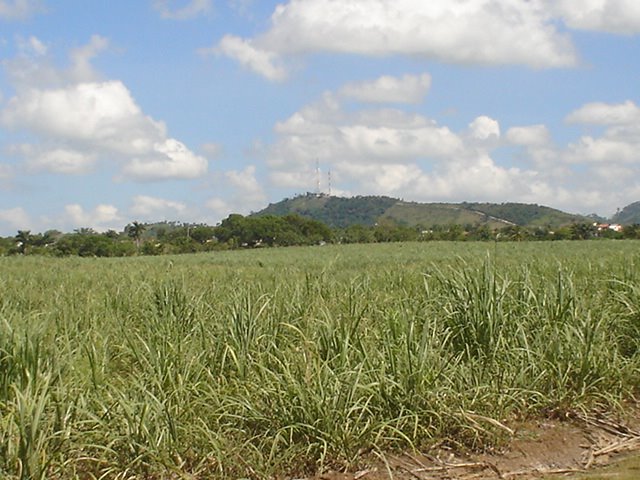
[(191, 110)]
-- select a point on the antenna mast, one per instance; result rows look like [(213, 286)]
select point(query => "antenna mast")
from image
[(317, 177)]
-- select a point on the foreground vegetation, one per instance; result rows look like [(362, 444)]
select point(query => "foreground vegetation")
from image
[(258, 363)]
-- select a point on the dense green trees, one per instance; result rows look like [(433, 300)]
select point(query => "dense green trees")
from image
[(91, 244), (631, 231), (238, 231), (271, 230)]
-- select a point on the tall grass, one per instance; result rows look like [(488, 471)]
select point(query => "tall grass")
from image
[(264, 363)]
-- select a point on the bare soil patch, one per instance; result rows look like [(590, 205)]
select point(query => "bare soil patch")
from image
[(542, 449)]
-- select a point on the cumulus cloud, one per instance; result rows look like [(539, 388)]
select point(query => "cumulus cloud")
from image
[(529, 136), (153, 208), (219, 206), (189, 10), (239, 191), (619, 143), (484, 128), (167, 160), (391, 143), (33, 68), (247, 186), (324, 130), (15, 219), (81, 69), (613, 16), (609, 149), (263, 62), (389, 89), (599, 113), (103, 217), (103, 113), (61, 160), (392, 152), (471, 32), (82, 121), (19, 9)]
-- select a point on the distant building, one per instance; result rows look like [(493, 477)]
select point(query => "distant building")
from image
[(601, 227)]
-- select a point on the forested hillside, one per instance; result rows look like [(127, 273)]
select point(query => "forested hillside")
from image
[(335, 212), (339, 212)]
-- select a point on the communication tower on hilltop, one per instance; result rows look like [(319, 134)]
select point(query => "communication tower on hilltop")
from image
[(318, 191)]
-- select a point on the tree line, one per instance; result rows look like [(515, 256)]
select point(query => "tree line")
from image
[(238, 231)]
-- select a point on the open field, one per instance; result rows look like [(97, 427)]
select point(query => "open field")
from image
[(276, 362)]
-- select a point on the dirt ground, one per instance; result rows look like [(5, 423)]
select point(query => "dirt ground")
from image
[(543, 449)]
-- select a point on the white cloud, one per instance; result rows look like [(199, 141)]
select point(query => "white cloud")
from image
[(239, 191), (618, 145), (19, 9), (32, 46), (15, 219), (82, 122), (37, 46), (33, 67), (219, 207), (191, 9), (261, 61), (169, 159), (390, 152), (103, 217), (529, 136), (608, 149), (152, 208), (599, 113), (397, 143), (489, 32), (81, 69), (103, 113), (388, 89), (387, 151), (484, 128), (324, 131), (62, 161), (469, 32), (613, 16), (247, 186)]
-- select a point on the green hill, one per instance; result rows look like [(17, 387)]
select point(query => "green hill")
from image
[(431, 214), (629, 215), (339, 212), (336, 212), (525, 214)]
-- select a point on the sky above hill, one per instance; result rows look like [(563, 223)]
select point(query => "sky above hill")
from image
[(190, 110)]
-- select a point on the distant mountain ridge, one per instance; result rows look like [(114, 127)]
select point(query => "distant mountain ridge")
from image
[(341, 212)]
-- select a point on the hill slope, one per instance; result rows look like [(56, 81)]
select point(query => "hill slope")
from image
[(339, 212), (628, 215)]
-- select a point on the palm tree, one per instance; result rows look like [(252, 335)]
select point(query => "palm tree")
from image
[(135, 230), (24, 240)]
